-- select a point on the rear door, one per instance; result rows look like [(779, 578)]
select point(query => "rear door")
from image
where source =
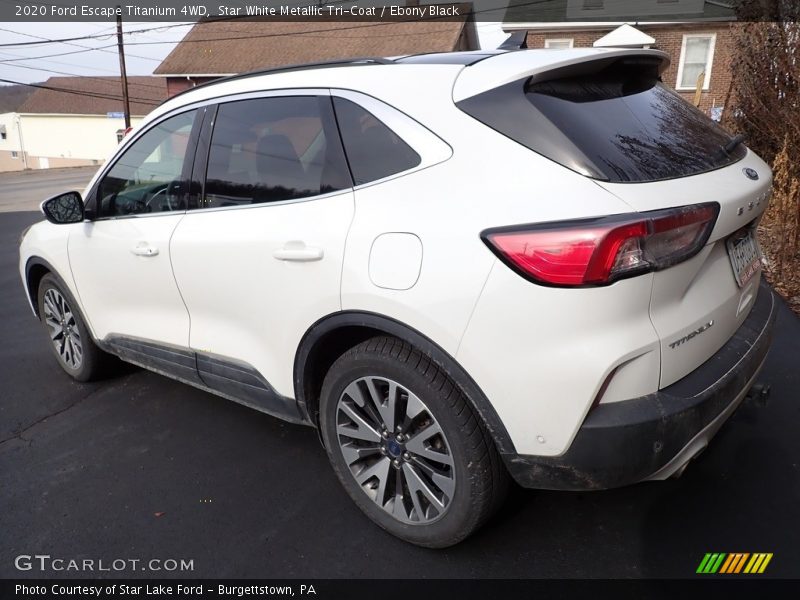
[(260, 260)]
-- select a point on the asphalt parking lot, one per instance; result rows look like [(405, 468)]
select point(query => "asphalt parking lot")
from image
[(139, 466)]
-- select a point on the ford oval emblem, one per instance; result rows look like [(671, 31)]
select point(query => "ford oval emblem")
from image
[(750, 173)]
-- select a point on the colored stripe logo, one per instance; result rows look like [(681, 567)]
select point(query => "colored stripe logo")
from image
[(734, 563)]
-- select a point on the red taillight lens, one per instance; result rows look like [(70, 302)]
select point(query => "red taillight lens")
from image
[(600, 251)]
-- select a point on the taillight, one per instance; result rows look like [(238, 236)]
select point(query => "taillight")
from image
[(600, 251)]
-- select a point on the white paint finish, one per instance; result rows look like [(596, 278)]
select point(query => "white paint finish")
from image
[(541, 354), (122, 292), (244, 302), (254, 278), (513, 66), (380, 81), (449, 220), (727, 186), (634, 377), (702, 289), (49, 242), (689, 296), (395, 261)]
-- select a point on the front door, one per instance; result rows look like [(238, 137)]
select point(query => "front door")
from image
[(120, 259)]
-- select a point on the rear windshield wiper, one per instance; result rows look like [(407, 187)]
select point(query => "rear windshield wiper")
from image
[(733, 143), (725, 151)]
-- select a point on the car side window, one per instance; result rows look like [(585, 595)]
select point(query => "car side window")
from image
[(146, 178), (272, 149), (373, 150)]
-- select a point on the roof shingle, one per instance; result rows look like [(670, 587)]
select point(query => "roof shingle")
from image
[(95, 95), (226, 48)]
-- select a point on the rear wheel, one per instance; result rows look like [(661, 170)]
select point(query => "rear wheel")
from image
[(407, 446), (70, 340)]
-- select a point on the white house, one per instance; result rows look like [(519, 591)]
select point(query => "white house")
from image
[(73, 121)]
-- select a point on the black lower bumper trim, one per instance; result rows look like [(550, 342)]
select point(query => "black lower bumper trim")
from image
[(626, 442)]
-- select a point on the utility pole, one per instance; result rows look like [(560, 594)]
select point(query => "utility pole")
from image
[(123, 73)]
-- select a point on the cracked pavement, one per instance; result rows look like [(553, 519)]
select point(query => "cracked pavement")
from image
[(139, 466)]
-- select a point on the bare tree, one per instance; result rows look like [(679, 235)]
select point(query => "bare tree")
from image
[(765, 106)]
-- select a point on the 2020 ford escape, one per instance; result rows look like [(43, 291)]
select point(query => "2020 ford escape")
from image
[(458, 267)]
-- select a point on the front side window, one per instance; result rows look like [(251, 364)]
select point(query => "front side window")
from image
[(273, 149), (373, 150), (696, 56), (146, 178)]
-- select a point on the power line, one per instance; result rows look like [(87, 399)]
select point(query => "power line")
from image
[(80, 93), (85, 37), (87, 48), (158, 87), (55, 62)]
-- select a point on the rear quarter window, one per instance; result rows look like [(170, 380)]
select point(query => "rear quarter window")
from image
[(373, 150)]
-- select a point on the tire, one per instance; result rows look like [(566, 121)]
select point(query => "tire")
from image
[(442, 460), (71, 341)]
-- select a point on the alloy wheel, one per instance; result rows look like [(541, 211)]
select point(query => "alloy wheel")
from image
[(395, 450), (63, 329)]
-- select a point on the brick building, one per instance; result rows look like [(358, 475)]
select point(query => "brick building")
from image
[(697, 35)]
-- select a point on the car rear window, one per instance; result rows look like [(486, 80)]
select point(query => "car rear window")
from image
[(620, 124)]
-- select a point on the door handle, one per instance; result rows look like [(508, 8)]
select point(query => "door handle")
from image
[(144, 249), (298, 252)]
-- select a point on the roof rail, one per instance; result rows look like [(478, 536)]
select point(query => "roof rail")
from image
[(288, 68)]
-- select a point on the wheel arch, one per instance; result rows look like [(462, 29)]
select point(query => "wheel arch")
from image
[(35, 269), (334, 334)]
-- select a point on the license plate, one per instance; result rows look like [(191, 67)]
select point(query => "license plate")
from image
[(745, 256)]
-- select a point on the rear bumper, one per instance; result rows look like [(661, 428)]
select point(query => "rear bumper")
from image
[(654, 436)]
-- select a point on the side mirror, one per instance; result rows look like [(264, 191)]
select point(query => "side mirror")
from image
[(64, 208)]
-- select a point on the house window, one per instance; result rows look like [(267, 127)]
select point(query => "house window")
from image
[(3, 134), (559, 44), (14, 154), (697, 55)]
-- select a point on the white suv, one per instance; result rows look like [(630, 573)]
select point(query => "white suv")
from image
[(456, 266)]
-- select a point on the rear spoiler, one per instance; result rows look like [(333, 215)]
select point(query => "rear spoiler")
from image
[(542, 65)]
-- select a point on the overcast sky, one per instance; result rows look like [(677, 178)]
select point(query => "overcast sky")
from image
[(143, 51)]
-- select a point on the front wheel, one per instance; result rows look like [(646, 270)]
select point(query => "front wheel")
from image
[(70, 339), (407, 446)]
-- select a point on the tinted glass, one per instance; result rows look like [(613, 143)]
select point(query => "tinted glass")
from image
[(620, 125), (271, 149), (373, 150), (147, 176)]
